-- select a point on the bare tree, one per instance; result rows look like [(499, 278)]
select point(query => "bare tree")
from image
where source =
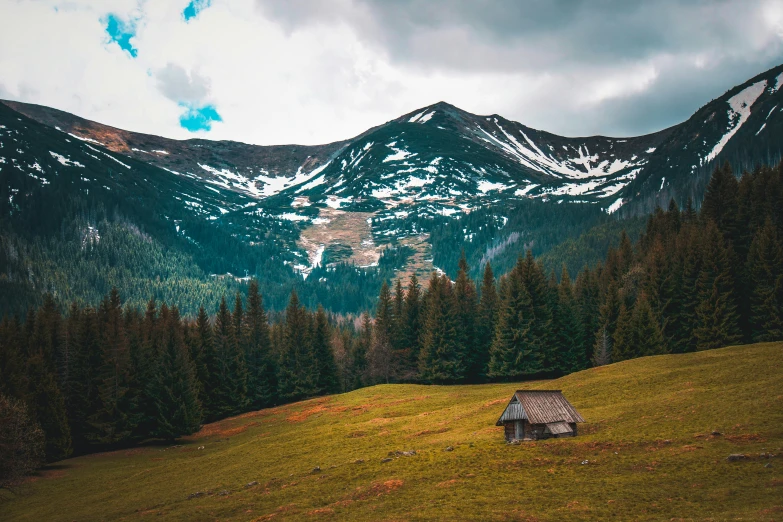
[(379, 359), (603, 349)]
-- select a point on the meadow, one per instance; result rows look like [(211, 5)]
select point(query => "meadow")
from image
[(654, 447)]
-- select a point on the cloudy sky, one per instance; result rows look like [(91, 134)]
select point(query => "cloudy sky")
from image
[(314, 71)]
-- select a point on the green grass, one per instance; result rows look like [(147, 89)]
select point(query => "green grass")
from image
[(648, 442)]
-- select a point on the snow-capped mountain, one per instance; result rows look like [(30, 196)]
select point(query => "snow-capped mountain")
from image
[(399, 182), (743, 127)]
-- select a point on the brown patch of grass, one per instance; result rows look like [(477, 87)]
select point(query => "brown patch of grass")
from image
[(377, 489), (447, 483), (289, 508), (429, 432), (746, 438), (220, 429)]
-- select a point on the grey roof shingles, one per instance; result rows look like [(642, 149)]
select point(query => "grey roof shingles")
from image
[(545, 406)]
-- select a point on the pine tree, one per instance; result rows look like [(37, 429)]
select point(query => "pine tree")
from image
[(486, 324), (720, 203), (262, 382), (717, 323), (644, 333), (229, 387), (177, 404), (83, 393), (541, 337), (622, 348), (47, 404), (466, 302), (145, 362), (323, 355), (297, 377), (113, 421), (514, 352), (359, 353), (411, 328), (202, 354), (765, 270), (13, 378), (380, 356), (398, 319), (568, 329), (441, 359)]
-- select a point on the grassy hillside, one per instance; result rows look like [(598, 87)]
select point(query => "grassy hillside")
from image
[(648, 446)]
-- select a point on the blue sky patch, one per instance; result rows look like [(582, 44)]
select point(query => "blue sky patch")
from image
[(194, 8), (197, 119), (121, 32)]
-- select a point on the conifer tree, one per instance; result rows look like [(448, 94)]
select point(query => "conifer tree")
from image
[(229, 376), (514, 352), (359, 352), (587, 293), (411, 328), (622, 348), (84, 390), (486, 323), (113, 421), (765, 270), (203, 356), (466, 302), (47, 404), (323, 355), (541, 339), (441, 359), (717, 322), (260, 368), (297, 377), (177, 404), (644, 335), (13, 378), (720, 201), (568, 329), (398, 318), (380, 356)]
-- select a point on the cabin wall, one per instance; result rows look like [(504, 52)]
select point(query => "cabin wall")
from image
[(509, 430)]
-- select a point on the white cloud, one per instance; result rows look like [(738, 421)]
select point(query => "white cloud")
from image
[(279, 82)]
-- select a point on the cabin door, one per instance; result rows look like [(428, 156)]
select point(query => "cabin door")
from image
[(519, 430)]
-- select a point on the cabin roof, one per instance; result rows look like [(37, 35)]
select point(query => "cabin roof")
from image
[(539, 407)]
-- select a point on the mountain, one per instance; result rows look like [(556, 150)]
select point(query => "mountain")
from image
[(334, 220), (743, 127)]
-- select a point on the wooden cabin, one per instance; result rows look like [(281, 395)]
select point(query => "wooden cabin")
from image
[(539, 414)]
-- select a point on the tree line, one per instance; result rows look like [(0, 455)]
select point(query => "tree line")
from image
[(113, 375)]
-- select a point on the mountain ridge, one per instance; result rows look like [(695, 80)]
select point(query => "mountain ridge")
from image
[(427, 184)]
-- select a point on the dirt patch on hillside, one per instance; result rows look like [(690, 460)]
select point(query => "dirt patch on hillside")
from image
[(221, 429), (338, 228), (378, 489), (319, 409)]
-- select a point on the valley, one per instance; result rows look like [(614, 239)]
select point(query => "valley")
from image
[(655, 446)]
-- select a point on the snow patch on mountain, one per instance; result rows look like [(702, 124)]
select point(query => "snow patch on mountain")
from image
[(739, 112), (614, 207), (399, 153), (485, 186), (65, 161), (427, 117)]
